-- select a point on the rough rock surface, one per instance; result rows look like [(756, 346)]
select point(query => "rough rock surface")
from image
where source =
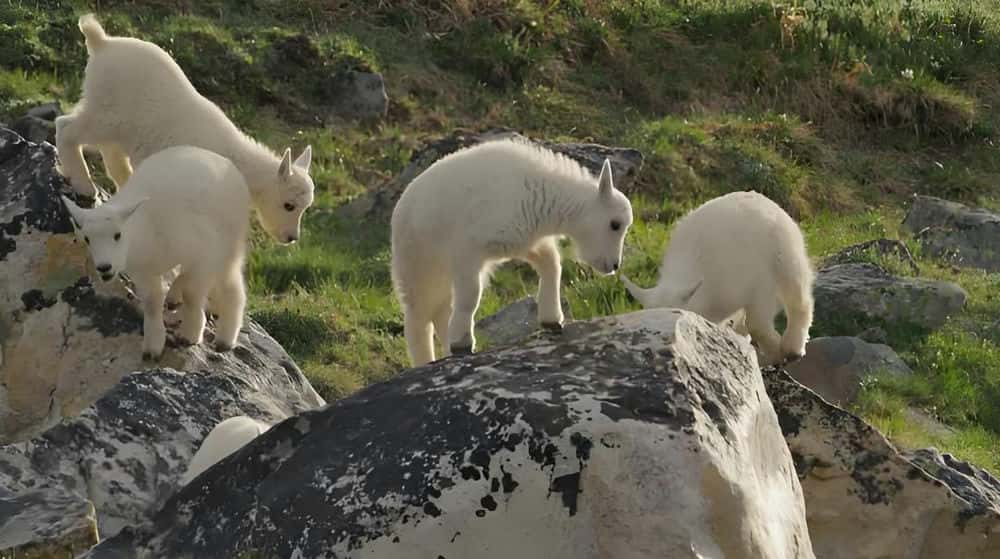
[(378, 204), (835, 366), (45, 523), (357, 95), (645, 435), (65, 341), (865, 500), (38, 124), (513, 323), (968, 237), (855, 295), (974, 484)]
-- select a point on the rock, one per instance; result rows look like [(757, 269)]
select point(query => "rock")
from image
[(346, 91), (880, 247), (973, 484), (48, 111), (513, 323), (645, 435), (355, 95), (865, 500), (967, 237), (378, 204), (852, 297), (835, 367), (66, 343), (37, 524), (35, 129)]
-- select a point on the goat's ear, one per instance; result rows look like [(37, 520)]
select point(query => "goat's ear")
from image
[(285, 167), (304, 159), (605, 184), (75, 213), (127, 211)]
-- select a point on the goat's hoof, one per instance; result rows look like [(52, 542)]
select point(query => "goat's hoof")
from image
[(150, 356), (223, 347), (461, 349), (552, 326)]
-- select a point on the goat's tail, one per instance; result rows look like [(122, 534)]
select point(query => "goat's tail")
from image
[(644, 296), (93, 33)]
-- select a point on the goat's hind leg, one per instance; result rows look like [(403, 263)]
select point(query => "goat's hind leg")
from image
[(116, 164)]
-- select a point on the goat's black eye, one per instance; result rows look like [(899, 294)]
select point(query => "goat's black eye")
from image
[(118, 236), (616, 225), (289, 206), (86, 240)]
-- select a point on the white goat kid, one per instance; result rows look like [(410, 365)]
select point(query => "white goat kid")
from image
[(187, 207), (739, 256), (137, 101), (225, 438), (481, 206)]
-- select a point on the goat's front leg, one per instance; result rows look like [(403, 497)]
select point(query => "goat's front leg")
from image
[(154, 333), (545, 259)]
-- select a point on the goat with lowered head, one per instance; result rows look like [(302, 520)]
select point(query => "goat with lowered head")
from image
[(481, 206), (137, 101), (183, 207), (741, 257)]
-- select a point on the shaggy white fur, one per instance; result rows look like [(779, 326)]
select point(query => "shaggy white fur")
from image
[(481, 206), (137, 101), (224, 439), (739, 257), (183, 207)]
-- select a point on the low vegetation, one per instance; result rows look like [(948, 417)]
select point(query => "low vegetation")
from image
[(839, 110)]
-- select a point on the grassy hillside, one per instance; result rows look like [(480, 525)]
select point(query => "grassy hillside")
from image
[(837, 109)]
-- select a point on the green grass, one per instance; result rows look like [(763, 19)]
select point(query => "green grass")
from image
[(874, 101)]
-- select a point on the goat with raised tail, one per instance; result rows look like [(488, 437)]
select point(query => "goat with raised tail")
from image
[(739, 256)]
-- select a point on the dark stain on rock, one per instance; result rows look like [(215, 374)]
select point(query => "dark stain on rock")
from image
[(583, 446), (35, 300), (431, 509), (568, 486), (111, 316), (494, 485), (469, 472), (488, 503), (509, 485)]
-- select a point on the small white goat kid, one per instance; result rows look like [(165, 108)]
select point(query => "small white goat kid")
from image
[(739, 254), (137, 101), (225, 438), (184, 206), (481, 206)]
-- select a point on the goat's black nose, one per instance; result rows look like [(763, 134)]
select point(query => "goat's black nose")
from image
[(291, 239), (104, 268)]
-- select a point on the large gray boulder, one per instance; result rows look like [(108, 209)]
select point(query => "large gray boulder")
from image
[(967, 237), (83, 447), (645, 435), (866, 500), (854, 296), (835, 366), (378, 204)]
